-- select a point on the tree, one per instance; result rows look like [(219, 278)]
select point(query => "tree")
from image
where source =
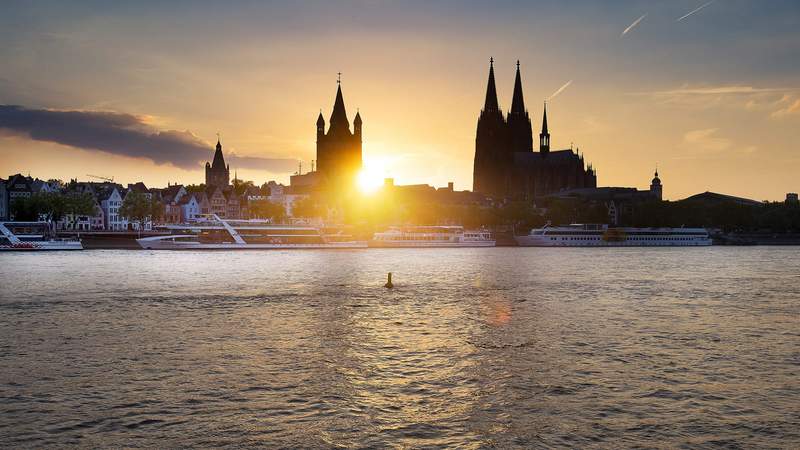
[(53, 206), (265, 209), (308, 207), (137, 207)]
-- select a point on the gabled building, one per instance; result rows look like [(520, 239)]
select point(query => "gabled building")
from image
[(217, 202), (110, 197), (233, 206), (190, 207), (18, 186), (171, 198)]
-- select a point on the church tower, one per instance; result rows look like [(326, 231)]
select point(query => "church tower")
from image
[(655, 186), (491, 149), (339, 150), (544, 136), (217, 173), (519, 123)]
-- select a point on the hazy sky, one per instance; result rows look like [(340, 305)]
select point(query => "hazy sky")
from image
[(138, 91)]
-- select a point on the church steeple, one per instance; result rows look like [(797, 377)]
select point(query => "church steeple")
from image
[(491, 91), (219, 160), (517, 102), (217, 173), (544, 136), (339, 114)]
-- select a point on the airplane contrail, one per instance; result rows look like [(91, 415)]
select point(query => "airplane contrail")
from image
[(631, 26), (560, 90), (694, 11)]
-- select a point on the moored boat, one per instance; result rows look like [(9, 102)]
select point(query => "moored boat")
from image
[(32, 236), (221, 234), (600, 235), (432, 236)]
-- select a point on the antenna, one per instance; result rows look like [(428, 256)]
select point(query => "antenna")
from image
[(338, 77)]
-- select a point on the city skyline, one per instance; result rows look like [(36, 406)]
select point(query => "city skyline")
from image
[(632, 85)]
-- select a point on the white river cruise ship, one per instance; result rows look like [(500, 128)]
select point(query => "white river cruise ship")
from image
[(432, 236), (220, 234), (32, 236), (597, 235)]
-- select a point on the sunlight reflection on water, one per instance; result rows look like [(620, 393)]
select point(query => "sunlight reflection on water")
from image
[(473, 348)]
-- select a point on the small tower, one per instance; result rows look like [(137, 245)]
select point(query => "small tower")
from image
[(655, 186), (544, 136), (357, 124), (320, 126)]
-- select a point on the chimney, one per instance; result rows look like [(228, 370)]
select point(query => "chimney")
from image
[(450, 186)]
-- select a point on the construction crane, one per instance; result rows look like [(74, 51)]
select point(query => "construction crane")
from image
[(110, 180)]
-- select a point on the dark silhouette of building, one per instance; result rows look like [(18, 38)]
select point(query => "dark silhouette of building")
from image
[(217, 173), (339, 150), (655, 187), (505, 164)]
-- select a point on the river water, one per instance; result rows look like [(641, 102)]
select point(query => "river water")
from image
[(495, 347)]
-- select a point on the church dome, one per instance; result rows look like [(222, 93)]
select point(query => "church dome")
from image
[(656, 180)]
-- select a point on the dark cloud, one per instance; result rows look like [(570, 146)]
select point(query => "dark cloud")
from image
[(125, 135)]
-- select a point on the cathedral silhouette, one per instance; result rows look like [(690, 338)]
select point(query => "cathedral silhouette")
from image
[(505, 164)]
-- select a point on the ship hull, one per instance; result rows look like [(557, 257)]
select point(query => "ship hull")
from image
[(41, 246), (538, 241), (428, 244), (168, 245)]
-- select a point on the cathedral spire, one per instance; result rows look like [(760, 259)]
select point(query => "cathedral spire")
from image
[(339, 114), (544, 119), (544, 136), (517, 102), (491, 90)]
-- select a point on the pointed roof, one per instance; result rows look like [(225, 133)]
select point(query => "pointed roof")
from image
[(357, 120), (339, 114), (320, 120), (491, 90), (517, 102), (219, 160), (544, 119)]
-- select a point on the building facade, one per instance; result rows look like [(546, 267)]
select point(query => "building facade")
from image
[(505, 165), (3, 200), (338, 149)]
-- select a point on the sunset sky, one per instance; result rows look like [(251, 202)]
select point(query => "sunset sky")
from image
[(138, 91)]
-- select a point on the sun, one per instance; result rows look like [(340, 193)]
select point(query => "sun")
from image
[(370, 179)]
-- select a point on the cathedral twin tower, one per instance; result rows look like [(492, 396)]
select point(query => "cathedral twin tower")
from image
[(505, 164)]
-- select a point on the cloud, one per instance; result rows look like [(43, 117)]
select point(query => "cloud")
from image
[(124, 135), (633, 25), (732, 96), (794, 108), (706, 140), (717, 90)]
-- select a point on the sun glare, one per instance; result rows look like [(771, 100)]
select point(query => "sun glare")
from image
[(370, 179)]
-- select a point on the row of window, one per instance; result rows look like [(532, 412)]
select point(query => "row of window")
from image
[(631, 238)]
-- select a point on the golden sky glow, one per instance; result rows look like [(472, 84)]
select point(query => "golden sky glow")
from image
[(712, 100)]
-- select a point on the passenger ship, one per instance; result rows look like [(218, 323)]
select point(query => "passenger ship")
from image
[(32, 236), (596, 235), (220, 234), (432, 236)]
